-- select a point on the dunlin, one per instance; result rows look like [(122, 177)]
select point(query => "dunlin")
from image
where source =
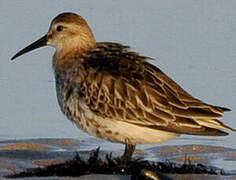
[(116, 94)]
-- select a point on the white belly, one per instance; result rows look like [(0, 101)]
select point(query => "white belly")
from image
[(118, 131)]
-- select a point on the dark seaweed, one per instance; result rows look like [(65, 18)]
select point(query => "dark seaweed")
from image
[(113, 165)]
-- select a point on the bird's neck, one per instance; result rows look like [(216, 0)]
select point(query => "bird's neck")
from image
[(68, 56)]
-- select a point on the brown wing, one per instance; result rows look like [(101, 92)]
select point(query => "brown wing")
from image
[(121, 88)]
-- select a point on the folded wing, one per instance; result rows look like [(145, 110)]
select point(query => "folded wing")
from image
[(123, 86)]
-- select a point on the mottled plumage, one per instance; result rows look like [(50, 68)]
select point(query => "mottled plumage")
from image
[(116, 94), (120, 85)]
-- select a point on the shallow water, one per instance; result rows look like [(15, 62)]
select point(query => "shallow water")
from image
[(17, 155), (193, 41)]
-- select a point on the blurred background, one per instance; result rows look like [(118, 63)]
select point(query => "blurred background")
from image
[(192, 41)]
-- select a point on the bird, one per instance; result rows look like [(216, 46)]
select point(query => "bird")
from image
[(116, 94)]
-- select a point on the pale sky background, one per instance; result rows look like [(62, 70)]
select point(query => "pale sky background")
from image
[(192, 41)]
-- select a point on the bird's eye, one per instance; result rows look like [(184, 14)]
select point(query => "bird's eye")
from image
[(59, 28)]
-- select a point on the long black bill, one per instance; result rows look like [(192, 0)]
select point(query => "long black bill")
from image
[(37, 44)]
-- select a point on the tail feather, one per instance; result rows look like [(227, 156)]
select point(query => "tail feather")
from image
[(222, 108), (214, 123), (202, 131)]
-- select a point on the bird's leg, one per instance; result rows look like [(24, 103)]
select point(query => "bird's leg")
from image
[(129, 149)]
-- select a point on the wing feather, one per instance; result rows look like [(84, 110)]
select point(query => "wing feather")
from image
[(125, 87)]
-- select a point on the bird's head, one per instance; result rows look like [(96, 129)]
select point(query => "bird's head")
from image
[(68, 33)]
